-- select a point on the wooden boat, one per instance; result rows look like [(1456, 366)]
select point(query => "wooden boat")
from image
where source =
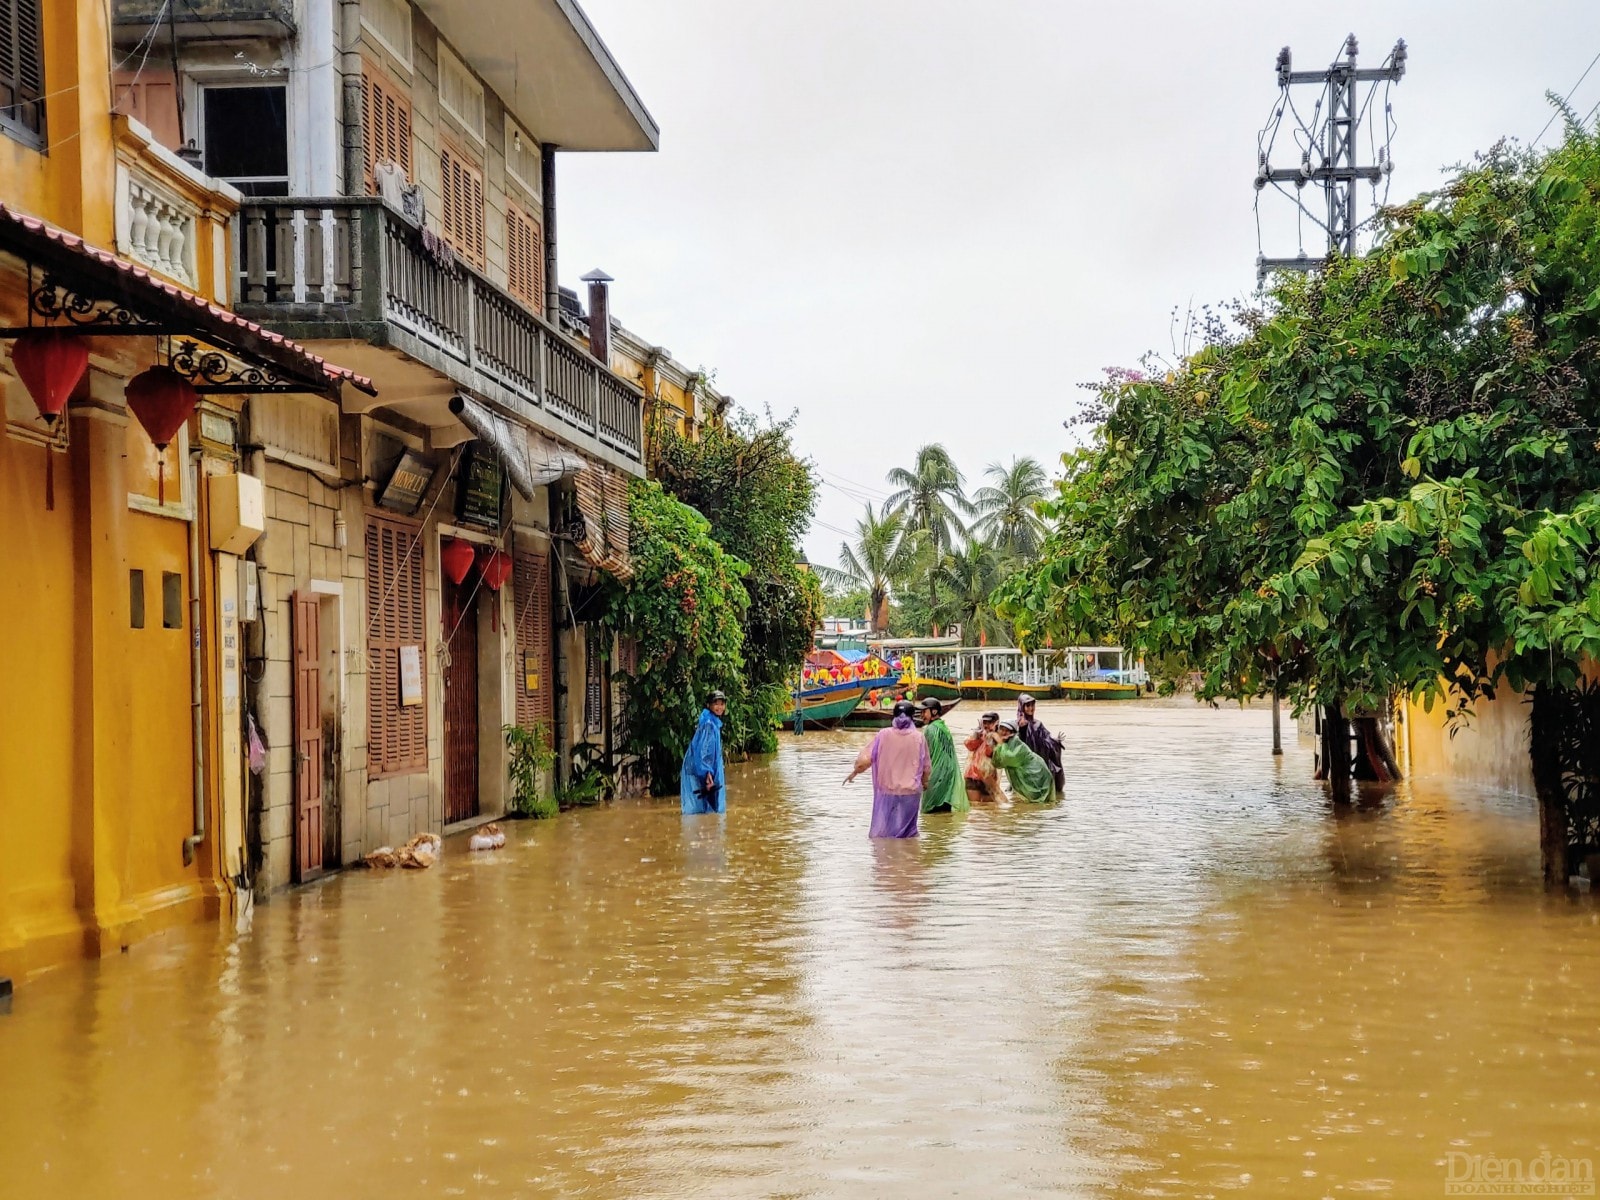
[(935, 673), (1097, 689), (880, 716), (1003, 673), (1099, 673), (824, 707)]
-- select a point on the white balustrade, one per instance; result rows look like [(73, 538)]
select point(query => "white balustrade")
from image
[(158, 230)]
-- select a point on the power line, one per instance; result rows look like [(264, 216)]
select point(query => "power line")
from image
[(1565, 100)]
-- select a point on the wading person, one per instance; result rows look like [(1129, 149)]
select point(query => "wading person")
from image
[(1040, 740), (1030, 778), (945, 792), (898, 758), (701, 788), (979, 778)]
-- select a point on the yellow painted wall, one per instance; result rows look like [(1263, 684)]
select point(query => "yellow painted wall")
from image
[(39, 746), (96, 751), (1491, 749), (72, 184)]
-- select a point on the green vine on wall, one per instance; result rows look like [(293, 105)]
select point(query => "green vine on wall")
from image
[(684, 607)]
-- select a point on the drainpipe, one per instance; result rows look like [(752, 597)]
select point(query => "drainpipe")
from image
[(552, 283), (196, 700), (350, 66)]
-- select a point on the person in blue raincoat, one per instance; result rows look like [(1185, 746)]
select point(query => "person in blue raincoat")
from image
[(702, 788)]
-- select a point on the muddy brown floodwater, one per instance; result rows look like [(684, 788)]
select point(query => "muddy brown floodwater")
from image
[(1190, 979)]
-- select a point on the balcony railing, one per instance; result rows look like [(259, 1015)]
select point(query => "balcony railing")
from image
[(329, 267)]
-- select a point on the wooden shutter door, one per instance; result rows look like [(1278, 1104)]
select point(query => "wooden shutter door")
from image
[(397, 736), (531, 582), (306, 642)]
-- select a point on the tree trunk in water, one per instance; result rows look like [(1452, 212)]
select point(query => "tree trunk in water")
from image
[(1336, 752), (1545, 751), (1377, 761)]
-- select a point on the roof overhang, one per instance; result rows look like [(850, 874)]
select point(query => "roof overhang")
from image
[(551, 69)]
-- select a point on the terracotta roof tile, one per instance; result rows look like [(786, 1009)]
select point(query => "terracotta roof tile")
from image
[(203, 308)]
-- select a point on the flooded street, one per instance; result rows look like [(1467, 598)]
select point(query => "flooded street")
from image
[(1189, 979)]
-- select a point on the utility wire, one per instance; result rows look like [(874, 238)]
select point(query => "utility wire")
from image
[(1565, 100)]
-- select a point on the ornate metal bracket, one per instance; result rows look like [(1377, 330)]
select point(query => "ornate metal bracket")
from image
[(56, 301), (212, 371)]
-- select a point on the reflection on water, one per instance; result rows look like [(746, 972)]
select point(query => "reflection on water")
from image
[(1191, 978)]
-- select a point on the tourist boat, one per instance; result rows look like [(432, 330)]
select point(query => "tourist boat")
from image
[(1002, 673), (833, 683), (825, 706), (880, 715), (935, 673), (1099, 673)]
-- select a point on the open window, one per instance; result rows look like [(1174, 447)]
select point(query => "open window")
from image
[(246, 131)]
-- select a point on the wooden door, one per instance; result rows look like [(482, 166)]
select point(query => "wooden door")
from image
[(461, 703), (306, 639)]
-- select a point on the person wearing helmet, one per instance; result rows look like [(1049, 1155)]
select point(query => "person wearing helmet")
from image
[(979, 777), (1040, 740), (898, 758), (944, 792), (1028, 774), (700, 787)]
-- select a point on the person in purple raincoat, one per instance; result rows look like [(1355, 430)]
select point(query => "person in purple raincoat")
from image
[(1040, 740), (900, 763)]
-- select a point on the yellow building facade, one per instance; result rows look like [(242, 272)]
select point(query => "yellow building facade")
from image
[(116, 819)]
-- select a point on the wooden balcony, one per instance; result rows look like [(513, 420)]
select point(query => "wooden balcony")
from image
[(321, 270)]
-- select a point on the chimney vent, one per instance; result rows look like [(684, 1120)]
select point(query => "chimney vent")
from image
[(599, 315)]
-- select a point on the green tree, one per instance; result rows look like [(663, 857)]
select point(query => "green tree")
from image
[(1008, 508), (1385, 481), (685, 607), (884, 550), (744, 477), (969, 579), (931, 498)]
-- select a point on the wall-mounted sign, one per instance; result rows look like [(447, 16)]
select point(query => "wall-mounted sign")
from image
[(530, 671), (410, 676), (407, 485), (481, 487)]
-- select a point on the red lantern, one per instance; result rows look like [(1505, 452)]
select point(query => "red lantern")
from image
[(162, 400), (51, 363), (456, 558), (496, 569)]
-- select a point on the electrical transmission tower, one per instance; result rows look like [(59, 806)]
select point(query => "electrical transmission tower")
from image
[(1328, 148)]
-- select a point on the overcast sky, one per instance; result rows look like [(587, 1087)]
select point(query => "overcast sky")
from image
[(923, 220)]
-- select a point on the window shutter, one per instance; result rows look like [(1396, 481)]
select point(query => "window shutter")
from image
[(385, 125), (532, 598), (21, 71), (524, 258), (463, 221), (397, 736)]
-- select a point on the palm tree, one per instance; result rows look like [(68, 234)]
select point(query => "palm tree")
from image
[(931, 498), (1008, 516), (970, 577), (884, 549)]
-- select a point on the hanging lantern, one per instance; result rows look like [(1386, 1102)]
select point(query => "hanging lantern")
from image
[(162, 400), (456, 558), (496, 569), (51, 364)]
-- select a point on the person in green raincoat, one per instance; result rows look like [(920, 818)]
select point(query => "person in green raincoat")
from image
[(945, 791), (1029, 774)]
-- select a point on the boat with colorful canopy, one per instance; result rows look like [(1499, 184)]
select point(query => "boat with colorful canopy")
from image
[(832, 684)]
